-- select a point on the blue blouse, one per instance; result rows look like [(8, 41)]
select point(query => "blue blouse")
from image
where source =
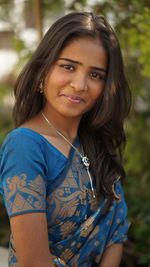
[(36, 177)]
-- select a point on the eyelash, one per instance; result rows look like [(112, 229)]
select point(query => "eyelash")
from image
[(67, 67), (97, 76), (93, 75)]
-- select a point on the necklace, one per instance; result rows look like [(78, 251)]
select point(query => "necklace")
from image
[(84, 158)]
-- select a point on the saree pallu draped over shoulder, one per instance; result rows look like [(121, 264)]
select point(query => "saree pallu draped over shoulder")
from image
[(78, 229)]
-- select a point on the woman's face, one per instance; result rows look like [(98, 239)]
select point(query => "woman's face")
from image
[(77, 79)]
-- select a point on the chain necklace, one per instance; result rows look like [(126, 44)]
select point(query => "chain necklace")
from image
[(84, 158)]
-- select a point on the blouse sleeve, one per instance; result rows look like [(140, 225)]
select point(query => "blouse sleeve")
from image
[(120, 225), (23, 175)]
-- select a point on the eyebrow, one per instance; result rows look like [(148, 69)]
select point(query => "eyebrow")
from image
[(79, 63)]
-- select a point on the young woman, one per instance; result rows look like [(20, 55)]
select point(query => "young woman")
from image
[(61, 167)]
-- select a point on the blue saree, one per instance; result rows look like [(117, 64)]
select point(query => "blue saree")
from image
[(37, 177)]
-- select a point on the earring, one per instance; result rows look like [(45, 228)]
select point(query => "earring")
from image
[(41, 88), (71, 85)]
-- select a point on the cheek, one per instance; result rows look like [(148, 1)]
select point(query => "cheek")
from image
[(63, 80), (97, 92), (58, 81)]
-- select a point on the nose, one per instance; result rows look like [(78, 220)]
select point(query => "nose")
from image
[(79, 83)]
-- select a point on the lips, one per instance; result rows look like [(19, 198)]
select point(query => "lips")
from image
[(73, 98)]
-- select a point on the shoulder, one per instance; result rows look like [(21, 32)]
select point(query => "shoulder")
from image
[(120, 203), (21, 137), (22, 143), (21, 152), (119, 190)]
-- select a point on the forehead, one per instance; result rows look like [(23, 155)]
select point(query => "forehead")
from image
[(87, 50)]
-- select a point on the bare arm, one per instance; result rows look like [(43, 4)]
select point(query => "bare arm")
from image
[(112, 256), (31, 240)]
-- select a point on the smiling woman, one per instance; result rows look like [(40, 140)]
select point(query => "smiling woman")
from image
[(75, 82), (61, 168)]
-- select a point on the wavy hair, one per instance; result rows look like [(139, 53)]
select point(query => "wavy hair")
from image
[(101, 129)]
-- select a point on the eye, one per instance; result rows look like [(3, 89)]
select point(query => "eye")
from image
[(67, 67), (97, 76)]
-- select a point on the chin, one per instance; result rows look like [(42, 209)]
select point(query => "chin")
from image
[(72, 115)]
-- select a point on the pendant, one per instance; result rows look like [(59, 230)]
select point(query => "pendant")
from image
[(86, 161)]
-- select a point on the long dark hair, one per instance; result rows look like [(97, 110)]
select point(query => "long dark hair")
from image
[(101, 129)]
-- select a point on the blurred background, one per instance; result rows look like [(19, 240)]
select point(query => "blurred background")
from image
[(22, 25)]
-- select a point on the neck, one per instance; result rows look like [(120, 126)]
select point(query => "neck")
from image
[(67, 126)]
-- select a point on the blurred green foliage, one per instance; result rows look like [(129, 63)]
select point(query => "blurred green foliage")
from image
[(131, 20), (137, 188)]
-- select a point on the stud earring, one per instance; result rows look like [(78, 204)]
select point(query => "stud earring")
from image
[(71, 85), (41, 88)]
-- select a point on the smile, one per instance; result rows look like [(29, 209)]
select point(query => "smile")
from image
[(73, 98)]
